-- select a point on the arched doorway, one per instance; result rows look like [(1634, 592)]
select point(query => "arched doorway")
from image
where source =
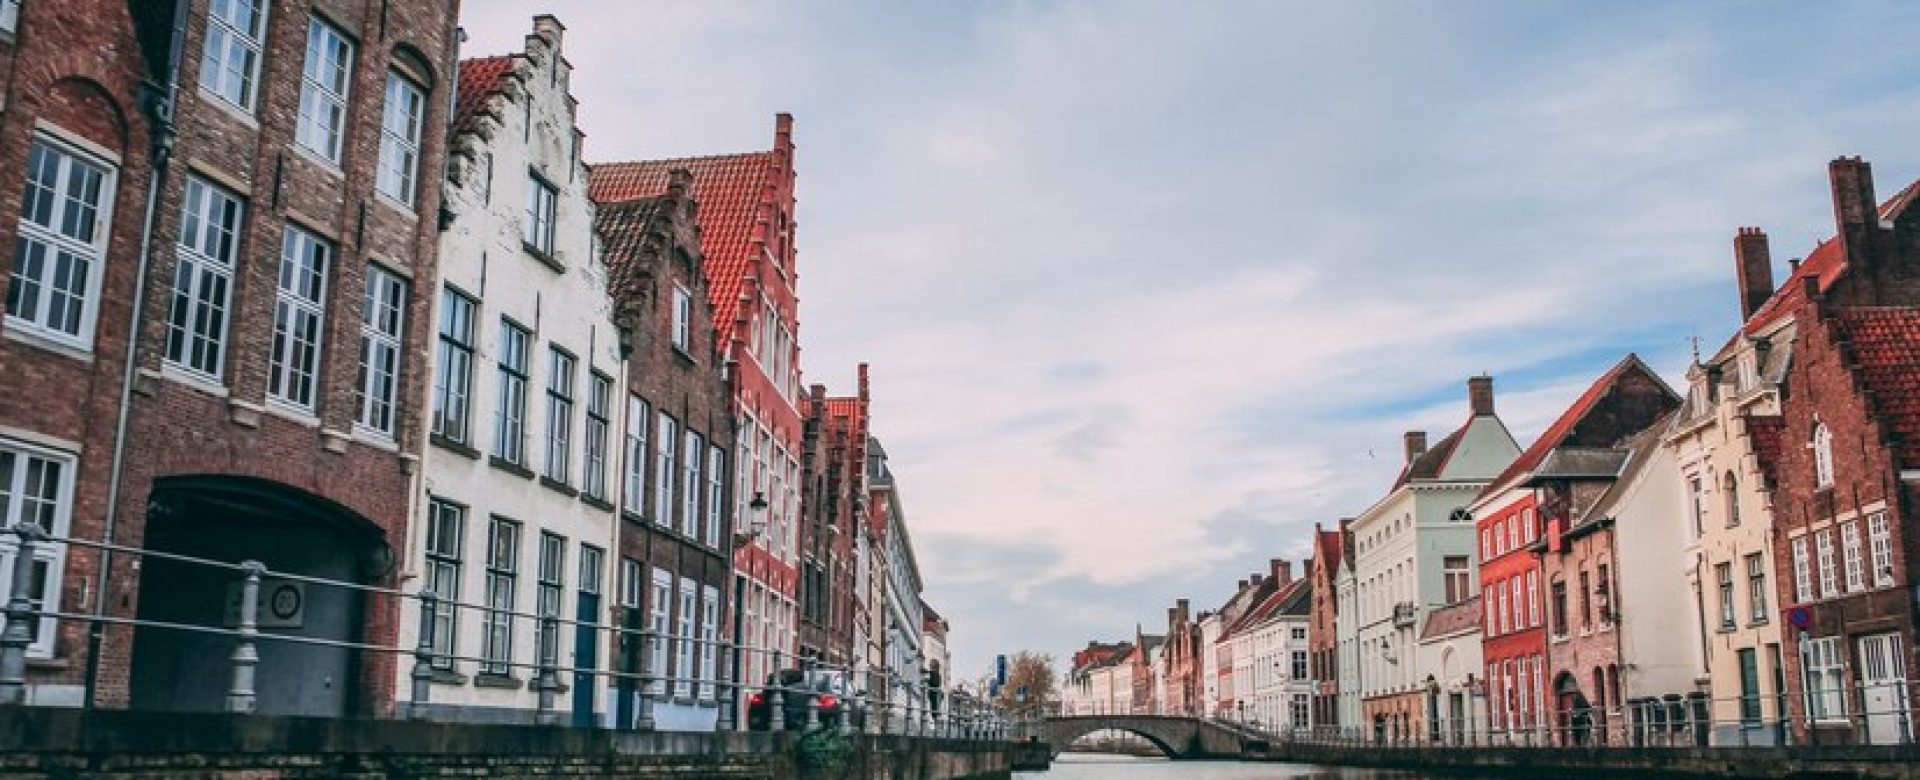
[(1573, 715), (233, 519)]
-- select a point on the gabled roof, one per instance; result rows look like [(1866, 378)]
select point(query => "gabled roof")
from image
[(1825, 264), (1884, 344), (481, 78), (1428, 465), (1566, 429), (1452, 619), (1326, 551), (731, 189), (1630, 460)]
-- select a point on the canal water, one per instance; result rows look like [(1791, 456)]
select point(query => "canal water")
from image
[(1105, 766)]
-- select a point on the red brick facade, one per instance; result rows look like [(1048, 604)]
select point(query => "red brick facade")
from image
[(833, 501), (1323, 631)]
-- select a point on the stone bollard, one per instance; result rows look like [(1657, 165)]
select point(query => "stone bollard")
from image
[(422, 674), (20, 619), (777, 704), (240, 693), (548, 681)]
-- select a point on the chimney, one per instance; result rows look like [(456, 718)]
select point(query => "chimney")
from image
[(1753, 263), (1416, 443), (1480, 395), (1855, 212), (549, 27), (1183, 607), (678, 180), (1242, 586), (1282, 570)]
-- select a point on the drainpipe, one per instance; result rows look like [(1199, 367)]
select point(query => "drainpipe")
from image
[(159, 99)]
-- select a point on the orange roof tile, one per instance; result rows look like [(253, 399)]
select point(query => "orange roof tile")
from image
[(730, 190), (480, 79), (1885, 346)]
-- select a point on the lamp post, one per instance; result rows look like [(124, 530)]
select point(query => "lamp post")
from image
[(756, 525)]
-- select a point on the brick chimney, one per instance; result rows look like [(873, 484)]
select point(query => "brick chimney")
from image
[(1753, 263), (1282, 570), (1855, 212), (1416, 444), (1480, 395), (1183, 606)]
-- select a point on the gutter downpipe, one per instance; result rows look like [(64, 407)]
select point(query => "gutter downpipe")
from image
[(159, 99)]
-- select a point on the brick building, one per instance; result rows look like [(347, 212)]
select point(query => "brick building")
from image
[(1849, 469), (160, 392), (1323, 637), (1179, 663), (747, 226), (833, 502)]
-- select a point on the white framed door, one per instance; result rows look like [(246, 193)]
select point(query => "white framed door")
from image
[(1883, 689)]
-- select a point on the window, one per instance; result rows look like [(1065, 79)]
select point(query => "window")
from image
[(693, 458), (599, 409), (663, 480), (1486, 544), (1559, 608), (632, 583), (323, 91), (1822, 456), (1698, 490), (709, 637), (9, 15), (1299, 665), (299, 308), (1459, 582), (510, 409), (552, 579), (446, 530), (1881, 543), (1506, 614), (64, 211), (1757, 588), (503, 572), (559, 414), (1533, 600), (638, 416), (36, 486), (659, 603), (1749, 687), (203, 278), (1802, 580), (400, 139), (1519, 600), (1527, 528), (230, 64), (380, 336), (1487, 603), (1823, 549), (683, 670), (1731, 486), (1586, 603), (682, 318), (537, 231), (1824, 678), (1850, 556), (1603, 594), (716, 484), (1513, 532), (1723, 576), (453, 379), (1298, 634)]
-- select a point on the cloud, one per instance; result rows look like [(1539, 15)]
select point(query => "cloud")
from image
[(1148, 289)]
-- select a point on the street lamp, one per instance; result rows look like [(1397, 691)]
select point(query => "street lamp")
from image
[(756, 525), (756, 521)]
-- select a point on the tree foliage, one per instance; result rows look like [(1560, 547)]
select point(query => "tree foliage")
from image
[(1032, 673)]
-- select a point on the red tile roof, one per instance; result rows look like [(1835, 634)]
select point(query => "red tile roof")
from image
[(1825, 263), (480, 78), (1327, 553), (1885, 345), (1557, 433), (731, 190), (1763, 434), (1452, 619)]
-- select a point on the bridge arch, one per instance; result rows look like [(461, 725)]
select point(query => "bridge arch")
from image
[(1066, 738), (1177, 737)]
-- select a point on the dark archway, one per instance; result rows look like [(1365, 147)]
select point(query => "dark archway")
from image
[(233, 519), (1159, 743)]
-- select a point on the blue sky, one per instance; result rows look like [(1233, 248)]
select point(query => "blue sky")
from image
[(1150, 288)]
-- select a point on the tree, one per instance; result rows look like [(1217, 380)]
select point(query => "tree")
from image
[(1030, 673)]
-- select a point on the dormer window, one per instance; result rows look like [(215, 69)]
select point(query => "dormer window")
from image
[(1822, 456)]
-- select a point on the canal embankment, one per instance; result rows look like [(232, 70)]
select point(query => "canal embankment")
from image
[(1863, 762)]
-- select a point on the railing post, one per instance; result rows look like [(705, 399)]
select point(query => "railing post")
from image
[(548, 682), (644, 720), (726, 690), (240, 693), (777, 704), (20, 618), (422, 674)]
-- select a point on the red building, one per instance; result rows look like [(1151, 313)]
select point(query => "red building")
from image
[(833, 503), (1323, 635), (1848, 470), (214, 322), (1513, 513), (747, 226)]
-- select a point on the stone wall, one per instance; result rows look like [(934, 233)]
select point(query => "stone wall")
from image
[(114, 744), (1753, 762)]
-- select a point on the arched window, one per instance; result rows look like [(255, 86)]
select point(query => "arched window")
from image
[(1732, 491), (1822, 455)]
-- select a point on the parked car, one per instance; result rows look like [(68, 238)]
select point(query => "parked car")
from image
[(830, 692)]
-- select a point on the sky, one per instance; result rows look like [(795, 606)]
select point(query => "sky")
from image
[(1150, 288)]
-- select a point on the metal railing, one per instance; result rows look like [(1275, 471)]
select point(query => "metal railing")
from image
[(905, 703)]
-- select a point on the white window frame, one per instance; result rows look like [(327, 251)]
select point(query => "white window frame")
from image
[(1823, 558), (382, 330), (1533, 598), (1802, 572), (633, 489), (9, 15), (293, 381), (668, 441), (55, 520), (692, 461), (716, 493), (659, 613), (322, 120), (1823, 679), (1851, 564), (89, 252), (1822, 456), (682, 318), (224, 41), (206, 251), (400, 122), (561, 366), (1880, 542), (709, 640), (684, 620)]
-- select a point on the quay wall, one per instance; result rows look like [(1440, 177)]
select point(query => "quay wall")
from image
[(77, 745), (1866, 762)]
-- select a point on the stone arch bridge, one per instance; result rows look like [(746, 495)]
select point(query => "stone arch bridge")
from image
[(1178, 737)]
